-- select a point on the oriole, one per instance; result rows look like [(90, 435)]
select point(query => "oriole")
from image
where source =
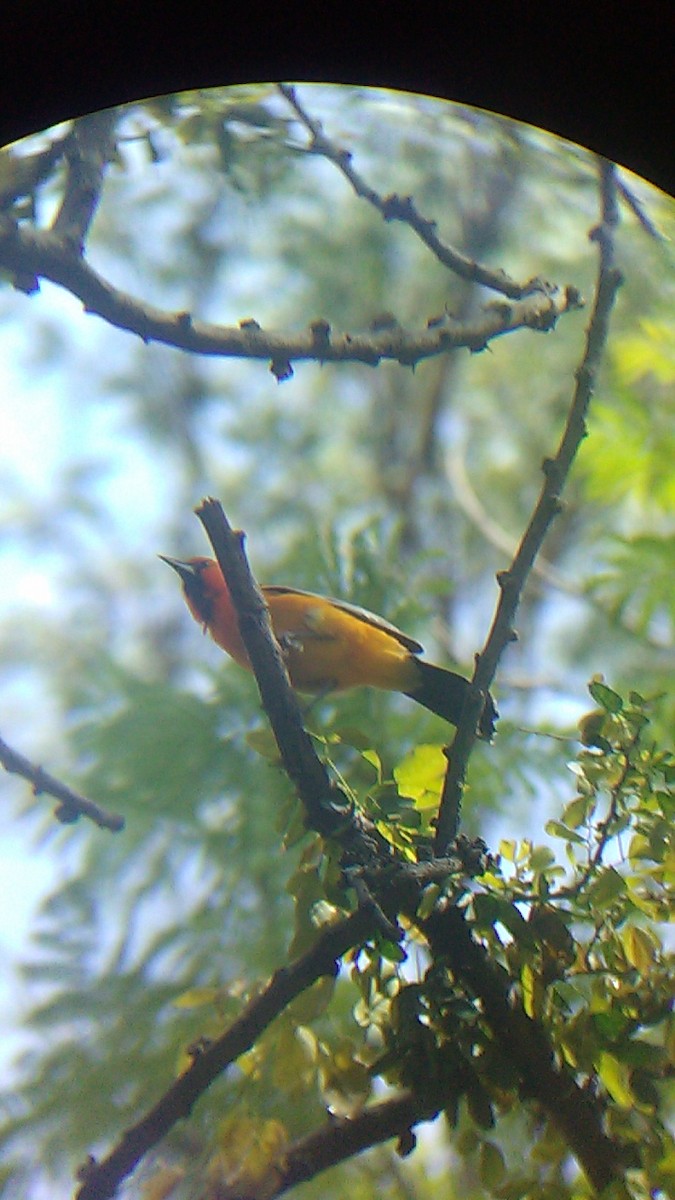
[(328, 645)]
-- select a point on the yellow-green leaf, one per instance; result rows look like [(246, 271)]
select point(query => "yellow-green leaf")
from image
[(420, 774), (264, 744), (639, 948), (196, 997), (616, 1078), (429, 897), (531, 986)]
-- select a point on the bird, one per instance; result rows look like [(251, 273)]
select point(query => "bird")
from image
[(329, 645)]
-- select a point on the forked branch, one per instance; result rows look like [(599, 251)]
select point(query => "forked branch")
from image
[(100, 1180)]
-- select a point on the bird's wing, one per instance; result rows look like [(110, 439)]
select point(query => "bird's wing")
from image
[(361, 614)]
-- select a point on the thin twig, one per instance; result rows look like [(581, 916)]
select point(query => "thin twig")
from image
[(603, 830), (493, 533), (100, 1180), (402, 208), (498, 537), (548, 505), (636, 207), (71, 804)]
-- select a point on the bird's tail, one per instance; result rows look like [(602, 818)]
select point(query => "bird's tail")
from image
[(443, 692)]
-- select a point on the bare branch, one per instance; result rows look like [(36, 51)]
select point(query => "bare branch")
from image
[(328, 811), (100, 1180), (402, 208), (22, 173), (30, 255), (88, 151), (637, 208), (71, 804), (548, 506), (343, 1137)]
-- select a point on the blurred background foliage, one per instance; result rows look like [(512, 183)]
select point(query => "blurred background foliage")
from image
[(402, 491)]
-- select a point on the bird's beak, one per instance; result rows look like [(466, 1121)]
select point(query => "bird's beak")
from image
[(186, 570)]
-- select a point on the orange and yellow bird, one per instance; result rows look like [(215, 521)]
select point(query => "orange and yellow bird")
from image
[(328, 645)]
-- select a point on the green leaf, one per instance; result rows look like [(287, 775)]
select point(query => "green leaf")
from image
[(373, 758), (314, 1001), (480, 1107), (264, 743), (557, 829), (606, 888), (605, 697), (491, 1165), (612, 1025), (576, 812), (541, 858), (486, 909), (350, 735), (392, 951), (490, 909)]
